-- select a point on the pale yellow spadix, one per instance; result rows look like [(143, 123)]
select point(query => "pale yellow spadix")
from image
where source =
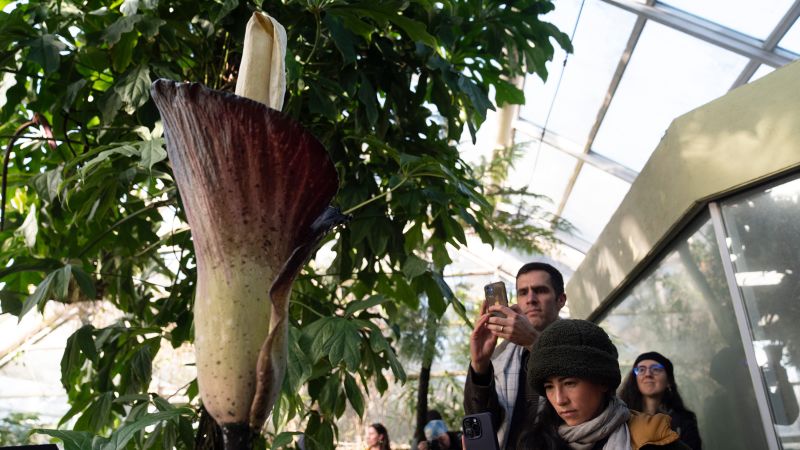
[(262, 73)]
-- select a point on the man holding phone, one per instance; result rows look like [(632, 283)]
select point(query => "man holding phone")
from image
[(497, 373)]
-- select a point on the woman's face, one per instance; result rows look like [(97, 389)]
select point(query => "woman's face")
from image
[(575, 400), (373, 438), (651, 378)]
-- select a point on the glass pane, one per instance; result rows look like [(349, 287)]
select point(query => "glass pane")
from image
[(682, 309), (763, 229), (595, 197), (738, 15), (544, 169), (762, 71), (791, 41), (588, 71), (670, 73)]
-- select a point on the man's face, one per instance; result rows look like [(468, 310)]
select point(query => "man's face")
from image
[(537, 299)]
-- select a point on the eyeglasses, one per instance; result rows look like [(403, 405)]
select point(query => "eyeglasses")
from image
[(655, 369)]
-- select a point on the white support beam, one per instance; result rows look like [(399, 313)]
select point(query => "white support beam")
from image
[(595, 159), (771, 43), (708, 31)]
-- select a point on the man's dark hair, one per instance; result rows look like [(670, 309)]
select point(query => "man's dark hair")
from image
[(556, 279)]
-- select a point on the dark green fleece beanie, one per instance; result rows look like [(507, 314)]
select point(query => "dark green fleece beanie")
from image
[(573, 348)]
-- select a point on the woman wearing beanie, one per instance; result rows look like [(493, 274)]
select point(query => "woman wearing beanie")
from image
[(574, 365), (650, 387)]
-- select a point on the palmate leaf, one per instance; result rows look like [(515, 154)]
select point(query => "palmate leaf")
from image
[(122, 25), (152, 151), (44, 50), (416, 30), (134, 89)]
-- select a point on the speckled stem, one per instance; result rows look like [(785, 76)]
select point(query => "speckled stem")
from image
[(238, 436)]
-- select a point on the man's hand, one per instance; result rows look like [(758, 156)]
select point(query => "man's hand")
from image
[(515, 327), (481, 345), (423, 445)]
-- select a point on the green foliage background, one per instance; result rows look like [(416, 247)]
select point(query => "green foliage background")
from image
[(388, 87)]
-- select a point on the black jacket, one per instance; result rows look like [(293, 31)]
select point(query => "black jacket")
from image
[(685, 424), (480, 396)]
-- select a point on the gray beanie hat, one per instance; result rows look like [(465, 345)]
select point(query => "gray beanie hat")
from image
[(573, 348)]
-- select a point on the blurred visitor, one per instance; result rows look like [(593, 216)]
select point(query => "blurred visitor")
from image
[(437, 437), (377, 437)]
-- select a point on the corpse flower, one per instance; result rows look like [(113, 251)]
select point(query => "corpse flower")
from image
[(256, 188)]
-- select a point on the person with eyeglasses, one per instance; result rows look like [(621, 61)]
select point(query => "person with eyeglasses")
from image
[(650, 387)]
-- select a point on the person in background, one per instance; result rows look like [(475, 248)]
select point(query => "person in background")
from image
[(438, 438), (377, 437), (650, 387), (497, 372), (574, 365)]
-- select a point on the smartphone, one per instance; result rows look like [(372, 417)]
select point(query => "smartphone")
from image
[(495, 294), (479, 432)]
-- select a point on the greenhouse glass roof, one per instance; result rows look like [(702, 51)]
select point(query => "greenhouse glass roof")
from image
[(591, 127)]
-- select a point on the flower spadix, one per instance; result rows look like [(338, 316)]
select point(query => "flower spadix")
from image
[(256, 188), (262, 73)]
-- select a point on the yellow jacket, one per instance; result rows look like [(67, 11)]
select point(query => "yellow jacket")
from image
[(654, 429)]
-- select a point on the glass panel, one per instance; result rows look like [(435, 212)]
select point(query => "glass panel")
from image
[(669, 74), (762, 70), (791, 41), (544, 169), (763, 230), (682, 309), (595, 197), (588, 71), (738, 15)]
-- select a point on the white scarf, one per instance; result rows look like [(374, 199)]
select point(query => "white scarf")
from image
[(612, 422)]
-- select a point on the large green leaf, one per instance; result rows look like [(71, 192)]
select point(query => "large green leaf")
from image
[(480, 101), (359, 305), (134, 89), (414, 266), (60, 283), (122, 52), (344, 39), (120, 438), (39, 296), (44, 50), (354, 394), (152, 151), (122, 25), (73, 440)]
